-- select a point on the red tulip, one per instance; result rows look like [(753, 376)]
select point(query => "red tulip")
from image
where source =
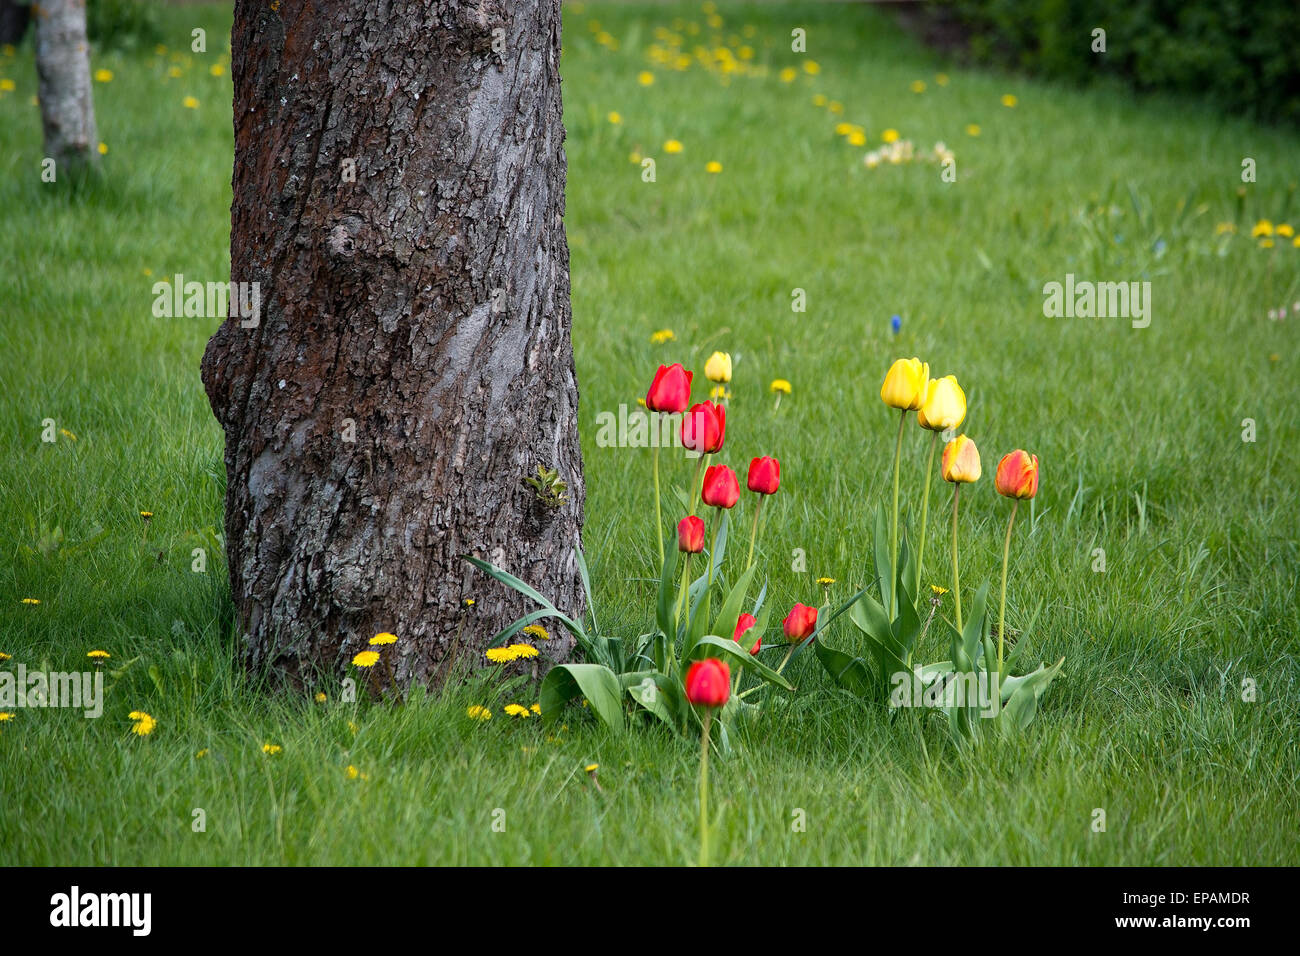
[(704, 427), (721, 489), (1017, 475), (690, 535), (671, 389), (799, 623), (764, 475), (745, 622), (708, 682)]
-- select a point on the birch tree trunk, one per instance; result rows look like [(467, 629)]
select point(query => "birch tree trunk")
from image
[(63, 84), (398, 196)]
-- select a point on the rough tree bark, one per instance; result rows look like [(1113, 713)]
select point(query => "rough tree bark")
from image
[(63, 75), (421, 304)]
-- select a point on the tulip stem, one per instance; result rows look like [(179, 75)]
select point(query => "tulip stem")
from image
[(893, 527), (704, 788), (695, 482), (659, 515), (753, 533), (956, 579), (1002, 609), (787, 658), (925, 510), (713, 549), (686, 586)]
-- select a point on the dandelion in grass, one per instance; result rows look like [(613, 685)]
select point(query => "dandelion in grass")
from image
[(103, 149), (1224, 228), (889, 136), (216, 69), (190, 103), (6, 716), (1009, 100), (941, 79), (536, 709), (320, 697), (272, 750), (143, 725), (67, 434), (811, 67), (788, 75), (672, 146), (645, 78), (353, 727), (918, 86), (836, 107), (7, 85), (478, 712), (537, 631), (31, 601), (713, 166), (174, 72), (98, 657), (5, 657), (103, 76), (819, 99), (499, 655), (1285, 230), (778, 388), (201, 754), (1262, 228), (352, 773), (517, 710), (383, 638), (662, 336), (1266, 243), (615, 118), (523, 651), (366, 659)]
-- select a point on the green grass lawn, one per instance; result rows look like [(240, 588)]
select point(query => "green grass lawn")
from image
[(1139, 432)]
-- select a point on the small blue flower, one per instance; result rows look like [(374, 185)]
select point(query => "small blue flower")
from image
[(896, 323)]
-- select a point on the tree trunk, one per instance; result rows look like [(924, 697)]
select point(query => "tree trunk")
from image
[(63, 74), (411, 364), (13, 21)]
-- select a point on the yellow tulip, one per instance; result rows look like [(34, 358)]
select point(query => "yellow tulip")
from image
[(718, 367), (905, 384), (944, 406), (961, 460)]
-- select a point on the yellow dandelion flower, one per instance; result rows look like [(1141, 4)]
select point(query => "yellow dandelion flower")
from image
[(366, 659), (673, 146), (713, 166), (5, 657), (382, 638), (67, 434), (146, 515), (31, 600), (1009, 100), (103, 76), (7, 85), (614, 117), (6, 715), (103, 149), (216, 69), (517, 710), (819, 99), (591, 767), (780, 385), (537, 631), (836, 107), (144, 724), (972, 129), (1296, 242), (825, 582), (98, 655), (788, 74), (889, 136), (499, 655), (272, 749), (1266, 243), (320, 697), (536, 709), (160, 50), (941, 79), (190, 103), (478, 712), (843, 129), (201, 754), (1285, 230), (353, 727), (719, 392), (918, 86), (1262, 228), (662, 336), (938, 589), (645, 78), (524, 650), (634, 156), (174, 72), (352, 772), (812, 67), (857, 138), (640, 401)]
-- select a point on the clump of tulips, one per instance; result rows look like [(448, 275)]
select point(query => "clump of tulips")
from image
[(625, 678), (898, 623)]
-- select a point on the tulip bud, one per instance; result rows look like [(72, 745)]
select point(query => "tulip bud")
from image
[(944, 406), (799, 623), (905, 384), (745, 622), (704, 428), (671, 389), (961, 461), (690, 535), (721, 488), (708, 682), (764, 475), (1017, 475), (718, 368)]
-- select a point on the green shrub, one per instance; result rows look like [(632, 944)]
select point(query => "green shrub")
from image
[(1239, 54), (122, 24)]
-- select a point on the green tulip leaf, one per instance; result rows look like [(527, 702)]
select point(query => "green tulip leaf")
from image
[(729, 650), (597, 683)]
